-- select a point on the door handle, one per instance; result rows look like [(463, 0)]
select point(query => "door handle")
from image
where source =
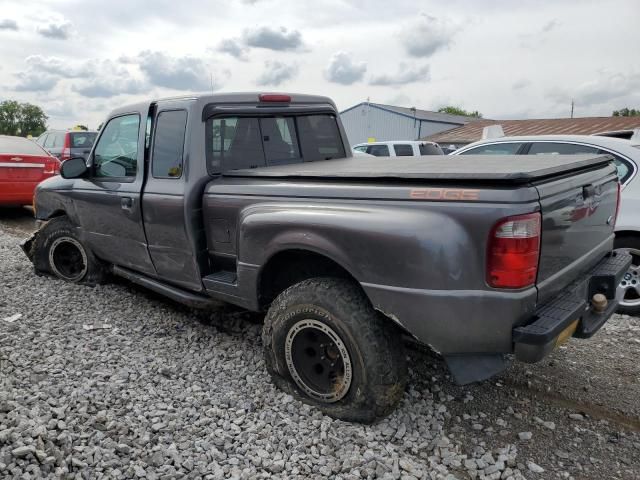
[(126, 203)]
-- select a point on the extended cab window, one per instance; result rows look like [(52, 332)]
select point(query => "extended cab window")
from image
[(168, 144), (250, 142), (116, 154), (430, 149)]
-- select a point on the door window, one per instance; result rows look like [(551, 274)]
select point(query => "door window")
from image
[(116, 154), (50, 141), (361, 148), (558, 148), (168, 144), (494, 149), (378, 150), (430, 149), (403, 150)]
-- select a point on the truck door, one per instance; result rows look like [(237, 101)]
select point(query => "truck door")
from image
[(108, 200), (169, 218)]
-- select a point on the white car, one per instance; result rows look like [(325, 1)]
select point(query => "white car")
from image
[(627, 158), (399, 148)]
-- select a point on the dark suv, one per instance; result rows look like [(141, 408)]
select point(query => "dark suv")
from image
[(66, 144)]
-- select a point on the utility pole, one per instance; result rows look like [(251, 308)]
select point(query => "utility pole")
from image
[(211, 78), (572, 108)]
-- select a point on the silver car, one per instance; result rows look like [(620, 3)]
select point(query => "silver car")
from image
[(627, 158)]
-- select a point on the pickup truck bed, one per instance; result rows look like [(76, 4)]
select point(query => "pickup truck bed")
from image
[(507, 168)]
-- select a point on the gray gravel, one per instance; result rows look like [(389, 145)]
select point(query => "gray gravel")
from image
[(115, 382)]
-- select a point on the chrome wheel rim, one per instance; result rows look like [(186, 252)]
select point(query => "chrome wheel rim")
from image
[(67, 259), (318, 360), (628, 292)]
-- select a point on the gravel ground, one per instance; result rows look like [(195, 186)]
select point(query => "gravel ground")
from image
[(115, 382)]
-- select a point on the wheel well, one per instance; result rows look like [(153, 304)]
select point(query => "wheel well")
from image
[(57, 213), (292, 266)]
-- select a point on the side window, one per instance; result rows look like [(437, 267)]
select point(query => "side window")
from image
[(557, 148), (168, 144), (430, 149), (236, 143), (403, 150), (40, 140), (378, 150), (361, 148), (494, 149), (59, 141), (116, 154), (279, 138), (50, 141), (625, 170)]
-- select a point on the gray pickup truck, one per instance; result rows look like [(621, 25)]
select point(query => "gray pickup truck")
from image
[(255, 199)]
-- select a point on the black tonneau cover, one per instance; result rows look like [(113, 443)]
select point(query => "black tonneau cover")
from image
[(512, 168)]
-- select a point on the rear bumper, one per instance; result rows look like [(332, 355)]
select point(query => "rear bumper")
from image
[(570, 313)]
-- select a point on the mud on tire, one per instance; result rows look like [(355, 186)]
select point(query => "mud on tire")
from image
[(322, 324), (58, 250)]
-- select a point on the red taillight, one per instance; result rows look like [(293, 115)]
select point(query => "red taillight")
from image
[(66, 149), (513, 252), (615, 218), (274, 98), (51, 166)]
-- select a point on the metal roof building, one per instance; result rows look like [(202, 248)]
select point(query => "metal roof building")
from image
[(377, 122), (472, 132)]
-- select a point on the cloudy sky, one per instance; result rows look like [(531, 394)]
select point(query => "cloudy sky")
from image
[(78, 59)]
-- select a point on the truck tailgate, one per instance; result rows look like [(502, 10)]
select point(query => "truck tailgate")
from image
[(578, 216)]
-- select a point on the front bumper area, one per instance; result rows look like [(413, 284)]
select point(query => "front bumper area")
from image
[(571, 313)]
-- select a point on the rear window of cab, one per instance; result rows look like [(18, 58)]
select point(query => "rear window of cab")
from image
[(237, 142)]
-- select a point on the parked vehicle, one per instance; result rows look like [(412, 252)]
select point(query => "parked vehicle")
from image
[(627, 158), (66, 144), (399, 148), (23, 165), (247, 199)]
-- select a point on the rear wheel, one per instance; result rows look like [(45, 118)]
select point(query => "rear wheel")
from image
[(628, 292), (325, 344), (58, 250)]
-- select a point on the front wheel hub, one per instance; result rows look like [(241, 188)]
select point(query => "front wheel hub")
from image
[(68, 259), (318, 360)]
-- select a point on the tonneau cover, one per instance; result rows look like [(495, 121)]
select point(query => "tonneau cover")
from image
[(512, 168)]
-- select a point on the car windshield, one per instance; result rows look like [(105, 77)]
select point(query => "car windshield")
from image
[(19, 146)]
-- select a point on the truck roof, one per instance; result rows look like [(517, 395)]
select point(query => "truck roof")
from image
[(512, 168), (226, 97)]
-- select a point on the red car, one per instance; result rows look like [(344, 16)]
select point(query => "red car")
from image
[(23, 165)]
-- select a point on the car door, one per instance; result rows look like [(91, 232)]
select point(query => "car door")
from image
[(108, 201)]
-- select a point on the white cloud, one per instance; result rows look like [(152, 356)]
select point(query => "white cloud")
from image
[(60, 30), (276, 73), (178, 73), (8, 24), (426, 35), (272, 38), (406, 73), (344, 70)]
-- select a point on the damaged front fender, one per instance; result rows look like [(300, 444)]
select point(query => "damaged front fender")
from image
[(27, 246)]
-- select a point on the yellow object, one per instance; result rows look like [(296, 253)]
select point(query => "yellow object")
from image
[(371, 139), (566, 333)]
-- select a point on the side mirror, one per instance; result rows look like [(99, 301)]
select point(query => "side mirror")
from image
[(75, 167)]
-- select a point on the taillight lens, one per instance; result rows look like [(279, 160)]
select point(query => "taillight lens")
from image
[(66, 149), (514, 251), (51, 166)]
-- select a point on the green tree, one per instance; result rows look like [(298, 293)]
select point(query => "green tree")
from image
[(21, 119), (452, 110), (626, 112), (81, 127)]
